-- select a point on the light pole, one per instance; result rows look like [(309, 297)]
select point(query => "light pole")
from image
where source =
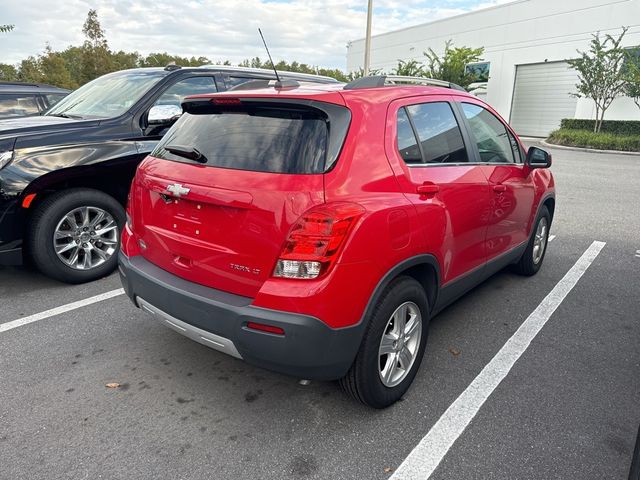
[(367, 42)]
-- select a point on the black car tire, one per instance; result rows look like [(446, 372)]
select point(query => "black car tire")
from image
[(526, 265), (363, 381), (43, 223)]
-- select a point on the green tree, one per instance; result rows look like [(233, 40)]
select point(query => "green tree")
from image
[(8, 73), (163, 59), (6, 28), (72, 57), (29, 71), (451, 65), (54, 69), (96, 56), (409, 68), (122, 60), (601, 76), (632, 75)]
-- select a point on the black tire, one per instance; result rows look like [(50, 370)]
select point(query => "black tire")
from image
[(44, 221), (363, 381), (526, 265)]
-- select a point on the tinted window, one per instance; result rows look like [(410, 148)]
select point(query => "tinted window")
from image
[(438, 131), (262, 139), (489, 133), (189, 86), (18, 105), (407, 143), (53, 98), (235, 81)]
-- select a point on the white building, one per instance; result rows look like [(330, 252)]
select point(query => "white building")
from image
[(526, 44)]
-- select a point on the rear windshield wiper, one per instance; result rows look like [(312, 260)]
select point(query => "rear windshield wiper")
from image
[(191, 153)]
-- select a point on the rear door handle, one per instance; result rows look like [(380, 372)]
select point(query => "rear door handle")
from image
[(427, 189), (499, 188)]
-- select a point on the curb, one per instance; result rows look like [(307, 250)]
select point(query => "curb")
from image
[(590, 150)]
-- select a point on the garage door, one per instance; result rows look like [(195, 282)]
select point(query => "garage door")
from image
[(541, 97)]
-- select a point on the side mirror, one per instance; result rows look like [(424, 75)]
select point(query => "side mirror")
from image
[(163, 115), (538, 158)]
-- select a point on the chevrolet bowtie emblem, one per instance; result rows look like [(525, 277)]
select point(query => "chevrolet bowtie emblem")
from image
[(178, 190)]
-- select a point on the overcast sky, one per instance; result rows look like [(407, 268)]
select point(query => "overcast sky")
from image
[(313, 32)]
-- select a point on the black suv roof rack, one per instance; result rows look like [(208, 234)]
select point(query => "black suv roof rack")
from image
[(254, 84), (375, 81), (28, 84)]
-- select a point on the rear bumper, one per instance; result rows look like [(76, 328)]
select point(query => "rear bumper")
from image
[(309, 348)]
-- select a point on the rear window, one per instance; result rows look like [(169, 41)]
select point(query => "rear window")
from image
[(18, 104), (261, 139)]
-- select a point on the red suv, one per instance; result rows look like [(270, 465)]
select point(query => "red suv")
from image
[(315, 230)]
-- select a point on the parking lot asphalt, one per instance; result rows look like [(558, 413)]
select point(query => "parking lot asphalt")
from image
[(569, 407)]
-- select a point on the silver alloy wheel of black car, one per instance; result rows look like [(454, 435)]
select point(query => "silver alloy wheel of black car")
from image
[(540, 240), (86, 237), (400, 344)]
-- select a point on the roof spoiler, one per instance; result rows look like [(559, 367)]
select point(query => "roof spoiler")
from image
[(376, 81)]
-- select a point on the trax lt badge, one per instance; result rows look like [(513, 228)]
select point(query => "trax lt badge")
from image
[(178, 190)]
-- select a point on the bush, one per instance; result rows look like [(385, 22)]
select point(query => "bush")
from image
[(620, 127), (600, 141)]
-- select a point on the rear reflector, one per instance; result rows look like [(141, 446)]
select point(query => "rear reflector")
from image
[(265, 328), (316, 239)]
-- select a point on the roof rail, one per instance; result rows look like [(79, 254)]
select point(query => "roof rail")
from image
[(28, 84), (255, 84), (386, 80)]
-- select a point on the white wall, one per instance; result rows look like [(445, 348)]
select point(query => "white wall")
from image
[(521, 32)]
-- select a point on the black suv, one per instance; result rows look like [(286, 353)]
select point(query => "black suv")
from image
[(66, 174), (26, 99)]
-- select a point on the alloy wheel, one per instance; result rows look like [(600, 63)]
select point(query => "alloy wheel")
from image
[(399, 344), (85, 238)]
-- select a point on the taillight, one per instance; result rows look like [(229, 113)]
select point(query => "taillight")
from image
[(316, 239), (129, 209)]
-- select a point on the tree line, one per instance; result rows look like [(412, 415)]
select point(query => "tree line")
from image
[(77, 65)]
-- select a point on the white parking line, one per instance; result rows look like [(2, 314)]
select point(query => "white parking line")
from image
[(58, 310), (551, 237), (428, 454)]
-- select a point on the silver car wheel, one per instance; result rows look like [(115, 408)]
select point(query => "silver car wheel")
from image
[(399, 344), (85, 238), (540, 240)]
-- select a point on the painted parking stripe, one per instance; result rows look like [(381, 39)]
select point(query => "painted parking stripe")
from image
[(58, 310), (551, 237), (428, 454)]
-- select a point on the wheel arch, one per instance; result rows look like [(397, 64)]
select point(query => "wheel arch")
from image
[(423, 268), (112, 178)]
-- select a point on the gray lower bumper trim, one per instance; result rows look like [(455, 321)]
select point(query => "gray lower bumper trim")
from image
[(201, 336)]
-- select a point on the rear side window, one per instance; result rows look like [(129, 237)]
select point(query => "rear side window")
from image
[(53, 98), (261, 139), (490, 134), (435, 125), (407, 143), (18, 105), (175, 94)]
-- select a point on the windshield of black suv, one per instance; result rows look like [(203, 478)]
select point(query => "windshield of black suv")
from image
[(108, 96)]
